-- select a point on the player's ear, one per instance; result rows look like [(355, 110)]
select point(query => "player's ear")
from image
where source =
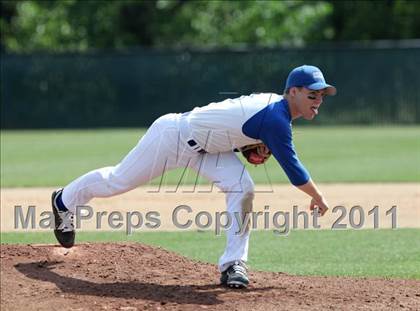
[(293, 91)]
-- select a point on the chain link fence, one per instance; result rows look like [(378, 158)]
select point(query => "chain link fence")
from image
[(376, 84)]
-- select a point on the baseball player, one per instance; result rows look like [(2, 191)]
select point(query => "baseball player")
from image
[(205, 140)]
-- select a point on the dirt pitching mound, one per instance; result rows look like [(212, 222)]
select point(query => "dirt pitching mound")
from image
[(131, 276)]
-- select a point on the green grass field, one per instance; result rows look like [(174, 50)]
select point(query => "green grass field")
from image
[(384, 253), (331, 154)]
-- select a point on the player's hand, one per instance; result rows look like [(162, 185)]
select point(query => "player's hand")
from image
[(321, 204)]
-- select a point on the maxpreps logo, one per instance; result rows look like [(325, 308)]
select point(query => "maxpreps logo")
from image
[(318, 75)]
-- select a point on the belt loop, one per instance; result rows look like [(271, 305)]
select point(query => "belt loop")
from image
[(196, 147)]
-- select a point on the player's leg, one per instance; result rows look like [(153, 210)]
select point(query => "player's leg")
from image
[(230, 176), (158, 150), (155, 152)]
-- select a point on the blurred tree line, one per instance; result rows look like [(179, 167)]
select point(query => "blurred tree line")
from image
[(80, 25)]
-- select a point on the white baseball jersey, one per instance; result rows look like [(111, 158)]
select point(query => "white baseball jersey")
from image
[(217, 127)]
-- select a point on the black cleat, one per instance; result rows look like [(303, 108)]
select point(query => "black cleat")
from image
[(64, 227), (235, 276)]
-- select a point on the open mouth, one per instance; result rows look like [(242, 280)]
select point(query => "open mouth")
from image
[(314, 109)]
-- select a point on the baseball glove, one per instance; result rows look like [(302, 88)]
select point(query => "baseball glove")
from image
[(256, 154)]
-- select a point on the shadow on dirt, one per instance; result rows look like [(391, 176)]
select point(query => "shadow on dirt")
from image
[(181, 294)]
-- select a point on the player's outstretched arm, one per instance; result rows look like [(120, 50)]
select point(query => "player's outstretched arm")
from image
[(318, 200)]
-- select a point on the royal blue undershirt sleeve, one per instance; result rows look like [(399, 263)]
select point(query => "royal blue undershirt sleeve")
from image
[(273, 126)]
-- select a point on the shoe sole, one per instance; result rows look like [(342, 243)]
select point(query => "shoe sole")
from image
[(237, 284), (58, 234)]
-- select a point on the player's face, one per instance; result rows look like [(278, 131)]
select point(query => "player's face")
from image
[(308, 102)]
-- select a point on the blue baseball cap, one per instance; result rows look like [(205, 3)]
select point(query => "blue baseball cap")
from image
[(310, 77)]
